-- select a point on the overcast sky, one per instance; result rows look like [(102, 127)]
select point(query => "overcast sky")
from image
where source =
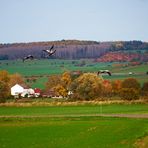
[(49, 20)]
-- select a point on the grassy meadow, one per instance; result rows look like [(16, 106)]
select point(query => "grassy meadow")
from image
[(77, 109), (74, 132), (47, 67)]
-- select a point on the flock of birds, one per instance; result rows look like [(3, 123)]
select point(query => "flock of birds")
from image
[(49, 52)]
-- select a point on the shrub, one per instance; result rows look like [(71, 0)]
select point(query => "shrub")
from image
[(2, 100), (129, 94)]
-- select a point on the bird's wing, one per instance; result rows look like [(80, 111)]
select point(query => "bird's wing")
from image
[(32, 56), (51, 53), (46, 50), (109, 73), (29, 56), (54, 51), (51, 47)]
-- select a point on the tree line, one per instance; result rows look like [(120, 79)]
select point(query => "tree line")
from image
[(90, 86), (85, 86), (68, 49)]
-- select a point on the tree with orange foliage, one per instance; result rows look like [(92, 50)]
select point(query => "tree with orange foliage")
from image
[(107, 88), (116, 86), (4, 85), (16, 79)]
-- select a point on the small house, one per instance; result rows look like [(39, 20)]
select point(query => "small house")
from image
[(16, 90)]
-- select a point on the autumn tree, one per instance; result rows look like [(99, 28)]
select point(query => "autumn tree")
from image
[(116, 87), (16, 79), (130, 89), (4, 85), (88, 86), (144, 89), (107, 88), (66, 80), (53, 81), (131, 83), (129, 94), (60, 83), (60, 90)]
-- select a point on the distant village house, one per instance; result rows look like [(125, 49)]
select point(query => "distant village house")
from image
[(20, 91)]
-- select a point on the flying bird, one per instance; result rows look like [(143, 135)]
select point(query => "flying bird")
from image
[(28, 57), (104, 71), (50, 51)]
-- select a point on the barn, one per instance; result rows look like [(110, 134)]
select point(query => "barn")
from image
[(16, 90)]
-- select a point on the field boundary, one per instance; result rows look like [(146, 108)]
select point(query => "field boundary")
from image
[(79, 115), (77, 103)]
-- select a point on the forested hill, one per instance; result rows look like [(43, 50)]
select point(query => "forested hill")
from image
[(70, 49)]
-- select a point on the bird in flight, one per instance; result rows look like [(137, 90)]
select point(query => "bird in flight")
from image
[(104, 71), (50, 51), (28, 57)]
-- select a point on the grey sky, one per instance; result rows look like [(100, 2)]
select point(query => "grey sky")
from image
[(48, 20)]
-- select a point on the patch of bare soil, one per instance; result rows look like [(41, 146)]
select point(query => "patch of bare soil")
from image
[(142, 143), (126, 115)]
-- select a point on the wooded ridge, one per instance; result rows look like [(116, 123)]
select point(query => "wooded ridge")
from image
[(71, 49)]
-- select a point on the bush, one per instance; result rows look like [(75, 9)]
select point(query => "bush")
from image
[(2, 100), (129, 94)]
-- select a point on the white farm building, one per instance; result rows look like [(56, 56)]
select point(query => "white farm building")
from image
[(16, 90)]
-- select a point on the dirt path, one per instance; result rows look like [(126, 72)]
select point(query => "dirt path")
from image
[(79, 115)]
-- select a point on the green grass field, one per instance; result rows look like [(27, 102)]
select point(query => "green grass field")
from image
[(51, 66), (73, 132), (80, 109), (54, 66)]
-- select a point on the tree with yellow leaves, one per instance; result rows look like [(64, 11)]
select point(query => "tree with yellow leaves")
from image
[(66, 81), (60, 90), (60, 83), (87, 87), (4, 85), (16, 79)]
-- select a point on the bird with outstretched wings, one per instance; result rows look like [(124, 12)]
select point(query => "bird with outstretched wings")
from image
[(104, 71), (50, 51), (31, 57)]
